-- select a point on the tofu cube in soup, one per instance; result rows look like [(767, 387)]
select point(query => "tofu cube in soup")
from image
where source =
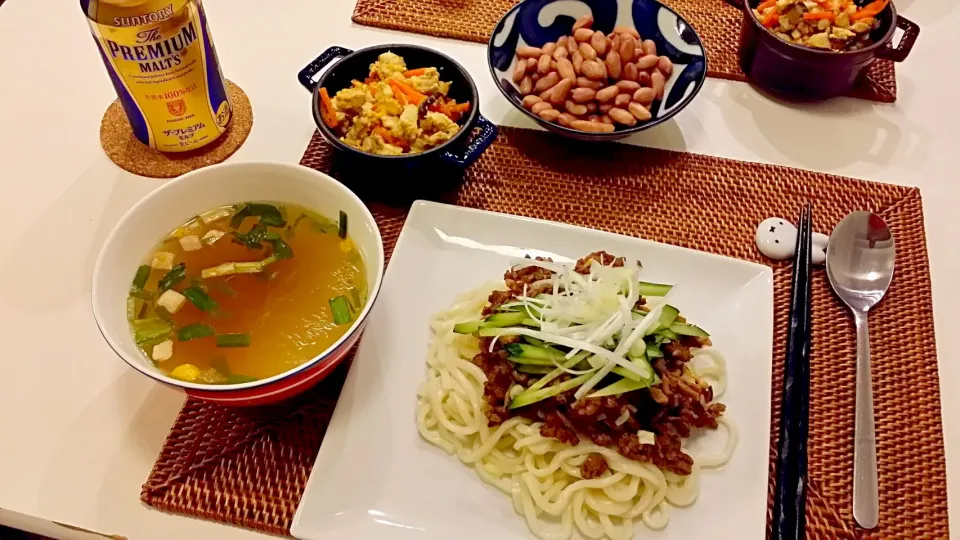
[(171, 301), (216, 214), (163, 260), (191, 242), (212, 236), (163, 351)]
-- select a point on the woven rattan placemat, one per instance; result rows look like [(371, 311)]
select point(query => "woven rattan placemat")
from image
[(717, 23), (249, 467)]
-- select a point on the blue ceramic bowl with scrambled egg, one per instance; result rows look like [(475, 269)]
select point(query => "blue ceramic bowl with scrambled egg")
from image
[(337, 69)]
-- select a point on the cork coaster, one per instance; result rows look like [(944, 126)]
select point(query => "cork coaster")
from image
[(124, 149)]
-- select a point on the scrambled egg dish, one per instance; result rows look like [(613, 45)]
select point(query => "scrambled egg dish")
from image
[(838, 25), (395, 111)]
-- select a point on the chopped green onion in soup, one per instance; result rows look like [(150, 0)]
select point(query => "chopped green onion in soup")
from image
[(143, 295), (194, 331), (233, 340), (342, 232), (341, 310), (143, 274), (149, 330), (174, 276), (200, 299)]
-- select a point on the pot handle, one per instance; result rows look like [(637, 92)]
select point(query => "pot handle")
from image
[(736, 3), (485, 132), (900, 52), (307, 74)]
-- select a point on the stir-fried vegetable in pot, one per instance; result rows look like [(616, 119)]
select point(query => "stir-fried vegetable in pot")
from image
[(837, 25)]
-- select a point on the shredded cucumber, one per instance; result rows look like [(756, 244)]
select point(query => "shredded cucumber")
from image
[(654, 289), (531, 351), (534, 370), (622, 387), (530, 397), (689, 330), (467, 328), (643, 366)]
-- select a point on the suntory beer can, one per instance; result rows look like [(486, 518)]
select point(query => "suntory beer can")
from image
[(161, 60)]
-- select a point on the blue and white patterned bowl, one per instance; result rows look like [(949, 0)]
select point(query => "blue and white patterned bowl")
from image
[(537, 22)]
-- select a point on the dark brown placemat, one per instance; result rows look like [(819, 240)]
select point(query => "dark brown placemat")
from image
[(249, 467), (717, 22)]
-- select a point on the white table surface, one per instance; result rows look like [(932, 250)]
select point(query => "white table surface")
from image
[(79, 431)]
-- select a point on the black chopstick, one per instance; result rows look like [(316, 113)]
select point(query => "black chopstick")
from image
[(790, 495)]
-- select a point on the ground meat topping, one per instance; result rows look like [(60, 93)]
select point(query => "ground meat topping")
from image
[(602, 257), (594, 467), (556, 428), (500, 377), (520, 280), (677, 351), (497, 299)]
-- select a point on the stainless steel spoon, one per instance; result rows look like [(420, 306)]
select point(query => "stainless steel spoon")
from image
[(860, 260)]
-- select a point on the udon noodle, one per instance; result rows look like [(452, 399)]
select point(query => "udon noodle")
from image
[(542, 475)]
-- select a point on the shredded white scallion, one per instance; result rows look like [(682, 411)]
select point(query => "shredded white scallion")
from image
[(586, 313), (622, 349)]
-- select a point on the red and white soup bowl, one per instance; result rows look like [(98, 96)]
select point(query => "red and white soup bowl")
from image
[(174, 203)]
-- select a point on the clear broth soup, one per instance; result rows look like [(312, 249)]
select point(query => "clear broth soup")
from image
[(245, 292)]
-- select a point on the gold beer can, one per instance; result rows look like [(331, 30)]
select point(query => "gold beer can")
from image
[(163, 65)]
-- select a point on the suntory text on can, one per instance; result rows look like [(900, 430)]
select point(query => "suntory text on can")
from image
[(163, 65)]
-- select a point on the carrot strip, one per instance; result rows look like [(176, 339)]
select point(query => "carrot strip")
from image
[(445, 107), (822, 15), (388, 138), (414, 72), (327, 111), (870, 10), (455, 110), (384, 134), (862, 14), (771, 18), (414, 97), (438, 106), (397, 91), (401, 98), (767, 4)]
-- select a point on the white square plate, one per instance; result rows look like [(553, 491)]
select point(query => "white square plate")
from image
[(376, 478)]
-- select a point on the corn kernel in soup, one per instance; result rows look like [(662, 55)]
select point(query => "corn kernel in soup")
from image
[(242, 293)]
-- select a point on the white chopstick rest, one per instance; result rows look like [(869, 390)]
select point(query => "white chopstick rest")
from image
[(777, 239)]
